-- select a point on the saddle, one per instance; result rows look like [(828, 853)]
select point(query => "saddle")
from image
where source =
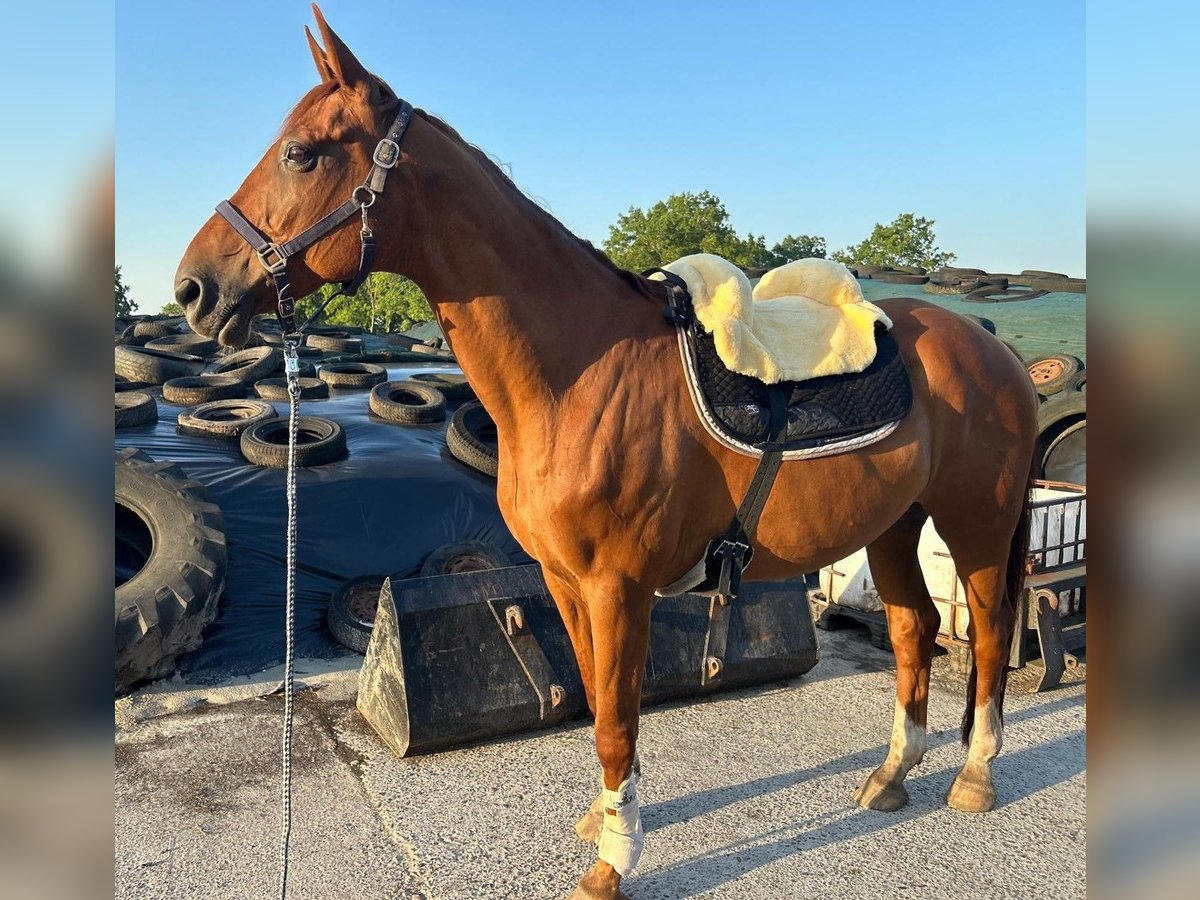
[(816, 417)]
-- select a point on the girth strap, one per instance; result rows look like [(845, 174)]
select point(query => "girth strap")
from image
[(733, 548)]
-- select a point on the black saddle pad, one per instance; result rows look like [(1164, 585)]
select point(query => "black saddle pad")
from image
[(820, 410)]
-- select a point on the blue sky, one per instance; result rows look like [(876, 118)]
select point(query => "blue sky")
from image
[(802, 117)]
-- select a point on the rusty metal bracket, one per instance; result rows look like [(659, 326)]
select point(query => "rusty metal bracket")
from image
[(510, 618), (715, 639)]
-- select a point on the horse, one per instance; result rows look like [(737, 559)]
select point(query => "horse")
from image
[(606, 476)]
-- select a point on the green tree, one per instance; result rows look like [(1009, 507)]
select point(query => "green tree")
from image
[(124, 303), (172, 309), (907, 241), (794, 247), (385, 302), (678, 226)]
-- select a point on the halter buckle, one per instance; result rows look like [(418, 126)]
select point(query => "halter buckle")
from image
[(387, 152), (280, 263)]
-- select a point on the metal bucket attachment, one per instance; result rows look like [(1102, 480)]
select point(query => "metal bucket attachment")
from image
[(474, 655)]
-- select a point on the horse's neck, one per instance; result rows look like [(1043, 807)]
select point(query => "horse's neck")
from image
[(525, 306)]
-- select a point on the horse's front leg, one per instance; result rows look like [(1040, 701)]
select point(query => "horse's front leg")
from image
[(620, 623)]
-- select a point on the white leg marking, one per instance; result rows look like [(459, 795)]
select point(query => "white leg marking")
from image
[(622, 840), (986, 735), (908, 741)]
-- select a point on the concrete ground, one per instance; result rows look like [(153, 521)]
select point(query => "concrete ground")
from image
[(745, 795)]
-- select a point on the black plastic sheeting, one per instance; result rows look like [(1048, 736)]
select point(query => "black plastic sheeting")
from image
[(397, 497)]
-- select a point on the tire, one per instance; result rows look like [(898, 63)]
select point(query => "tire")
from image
[(171, 561), (964, 273), (276, 389), (124, 384), (868, 271), (247, 366), (319, 441), (1058, 286), (993, 282), (1052, 374), (194, 344), (986, 324), (351, 615), (464, 556), (352, 374), (471, 438), (900, 278), (1039, 273), (155, 366), (991, 294), (154, 330), (335, 343), (1065, 458), (202, 389), (1056, 416), (453, 387), (134, 409), (407, 402), (943, 289), (912, 270), (224, 418)]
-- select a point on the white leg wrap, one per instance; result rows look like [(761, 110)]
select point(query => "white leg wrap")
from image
[(621, 839)]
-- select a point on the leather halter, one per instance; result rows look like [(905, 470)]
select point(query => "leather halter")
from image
[(274, 256)]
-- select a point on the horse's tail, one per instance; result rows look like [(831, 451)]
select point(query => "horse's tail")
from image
[(1014, 585)]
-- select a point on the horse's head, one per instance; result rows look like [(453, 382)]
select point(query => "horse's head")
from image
[(324, 151)]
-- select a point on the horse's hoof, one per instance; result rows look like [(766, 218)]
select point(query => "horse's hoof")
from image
[(588, 828), (879, 794), (600, 883), (971, 792)]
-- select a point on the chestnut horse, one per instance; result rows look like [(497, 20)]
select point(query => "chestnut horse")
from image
[(607, 477)]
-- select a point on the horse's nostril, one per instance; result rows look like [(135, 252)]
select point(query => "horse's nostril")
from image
[(187, 291)]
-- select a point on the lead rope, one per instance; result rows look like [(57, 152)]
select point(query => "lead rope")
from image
[(291, 368)]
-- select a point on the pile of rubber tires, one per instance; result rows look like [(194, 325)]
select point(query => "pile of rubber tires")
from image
[(1061, 450), (171, 544)]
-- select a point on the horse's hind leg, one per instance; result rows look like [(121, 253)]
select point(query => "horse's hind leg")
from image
[(912, 626), (982, 547)]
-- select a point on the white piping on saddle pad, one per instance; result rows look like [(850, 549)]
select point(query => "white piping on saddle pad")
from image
[(621, 839)]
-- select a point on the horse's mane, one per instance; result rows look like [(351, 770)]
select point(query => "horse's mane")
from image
[(653, 290)]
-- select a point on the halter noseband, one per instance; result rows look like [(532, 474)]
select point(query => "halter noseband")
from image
[(274, 257)]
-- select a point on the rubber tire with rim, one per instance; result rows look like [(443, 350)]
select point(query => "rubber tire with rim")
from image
[(224, 418), (453, 387), (1059, 371), (468, 438), (277, 389), (248, 365), (335, 343), (352, 374), (155, 366), (202, 389), (351, 616), (407, 402), (464, 556), (163, 607), (135, 408), (266, 443)]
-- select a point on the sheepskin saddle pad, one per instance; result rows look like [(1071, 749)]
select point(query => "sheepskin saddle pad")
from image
[(806, 333)]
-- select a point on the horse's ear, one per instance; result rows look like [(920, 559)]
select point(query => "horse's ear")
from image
[(318, 56), (346, 69)]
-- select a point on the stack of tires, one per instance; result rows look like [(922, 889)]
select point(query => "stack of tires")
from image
[(1061, 452)]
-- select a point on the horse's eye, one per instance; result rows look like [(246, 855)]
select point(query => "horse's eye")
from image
[(298, 156)]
